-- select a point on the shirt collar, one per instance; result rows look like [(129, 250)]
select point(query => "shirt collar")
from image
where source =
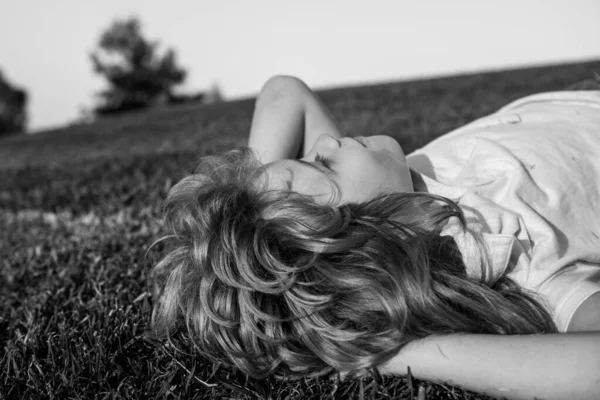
[(498, 246)]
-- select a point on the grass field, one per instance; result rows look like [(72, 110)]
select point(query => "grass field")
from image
[(79, 207)]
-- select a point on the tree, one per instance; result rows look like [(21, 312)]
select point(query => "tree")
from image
[(214, 95), (13, 102), (137, 74)]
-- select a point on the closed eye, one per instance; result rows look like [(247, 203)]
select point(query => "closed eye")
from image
[(326, 162)]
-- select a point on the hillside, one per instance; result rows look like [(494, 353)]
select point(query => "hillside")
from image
[(79, 207)]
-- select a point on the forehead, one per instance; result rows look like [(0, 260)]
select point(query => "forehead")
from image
[(301, 178), (279, 174)]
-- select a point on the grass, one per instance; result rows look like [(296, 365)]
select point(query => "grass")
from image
[(80, 205)]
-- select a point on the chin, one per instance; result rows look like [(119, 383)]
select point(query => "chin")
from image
[(383, 142)]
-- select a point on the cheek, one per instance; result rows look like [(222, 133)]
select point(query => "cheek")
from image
[(399, 178), (387, 174), (363, 182)]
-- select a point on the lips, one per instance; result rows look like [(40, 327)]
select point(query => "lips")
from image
[(362, 140)]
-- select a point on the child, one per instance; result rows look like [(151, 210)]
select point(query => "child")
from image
[(474, 260)]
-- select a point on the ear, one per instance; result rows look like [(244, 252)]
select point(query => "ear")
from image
[(587, 315)]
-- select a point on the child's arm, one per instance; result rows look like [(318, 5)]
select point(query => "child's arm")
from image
[(288, 118), (543, 366)]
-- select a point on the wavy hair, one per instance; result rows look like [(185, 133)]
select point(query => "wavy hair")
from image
[(270, 281)]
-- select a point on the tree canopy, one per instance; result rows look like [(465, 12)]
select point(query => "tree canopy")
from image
[(137, 73), (13, 102)]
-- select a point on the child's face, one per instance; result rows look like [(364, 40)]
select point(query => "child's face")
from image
[(360, 168)]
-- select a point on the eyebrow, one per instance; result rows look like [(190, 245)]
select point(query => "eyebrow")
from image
[(334, 185), (313, 166)]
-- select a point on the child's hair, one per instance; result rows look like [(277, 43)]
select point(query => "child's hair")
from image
[(273, 282)]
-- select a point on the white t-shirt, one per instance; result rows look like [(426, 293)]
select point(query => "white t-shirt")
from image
[(528, 179)]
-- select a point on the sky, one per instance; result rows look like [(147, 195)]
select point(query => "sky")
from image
[(45, 45)]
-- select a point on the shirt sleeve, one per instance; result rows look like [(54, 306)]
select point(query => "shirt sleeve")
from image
[(568, 289)]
